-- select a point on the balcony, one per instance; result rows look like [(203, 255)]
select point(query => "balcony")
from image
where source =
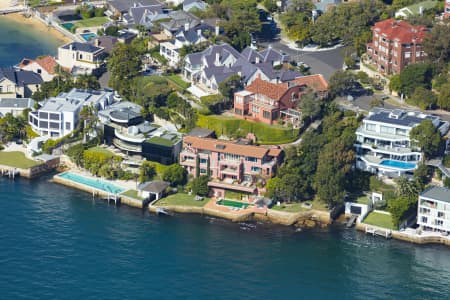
[(126, 146), (245, 186)]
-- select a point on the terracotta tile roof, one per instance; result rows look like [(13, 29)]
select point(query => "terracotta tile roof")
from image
[(222, 146), (48, 63), (401, 31), (316, 82), (274, 152), (272, 90)]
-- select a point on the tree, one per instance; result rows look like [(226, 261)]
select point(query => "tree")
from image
[(401, 208), (414, 76), (75, 153), (199, 185), (88, 82), (175, 174), (124, 64), (342, 82), (310, 105), (408, 188), (427, 137), (231, 85), (443, 100), (334, 164), (146, 171), (423, 98), (112, 30), (421, 175), (437, 44), (395, 83)]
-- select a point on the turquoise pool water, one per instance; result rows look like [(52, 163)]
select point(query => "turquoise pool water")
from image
[(95, 183), (68, 26), (88, 36), (232, 203), (398, 164)]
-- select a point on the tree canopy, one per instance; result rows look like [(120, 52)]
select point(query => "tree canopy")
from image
[(427, 137)]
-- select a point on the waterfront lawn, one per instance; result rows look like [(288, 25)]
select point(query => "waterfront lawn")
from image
[(182, 199), (380, 220), (92, 22), (132, 194), (289, 207), (16, 159)]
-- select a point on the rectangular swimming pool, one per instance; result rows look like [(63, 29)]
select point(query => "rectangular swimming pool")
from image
[(68, 26), (232, 203), (398, 164), (92, 182)]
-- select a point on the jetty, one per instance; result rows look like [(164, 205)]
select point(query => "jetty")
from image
[(387, 233), (10, 172)]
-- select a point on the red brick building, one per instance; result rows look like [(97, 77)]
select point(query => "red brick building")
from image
[(264, 101), (395, 44)]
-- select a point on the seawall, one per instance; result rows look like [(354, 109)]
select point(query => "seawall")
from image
[(407, 237)]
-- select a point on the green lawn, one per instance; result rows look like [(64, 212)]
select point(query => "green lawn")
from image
[(101, 150), (16, 159), (132, 194), (380, 220), (181, 199), (178, 81), (92, 22), (233, 127), (161, 141), (291, 207), (235, 195), (362, 200)]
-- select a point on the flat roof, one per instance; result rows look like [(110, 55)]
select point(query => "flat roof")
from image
[(437, 193)]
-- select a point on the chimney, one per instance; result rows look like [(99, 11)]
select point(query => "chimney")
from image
[(199, 32), (257, 61), (217, 28), (217, 63), (70, 47), (186, 26)]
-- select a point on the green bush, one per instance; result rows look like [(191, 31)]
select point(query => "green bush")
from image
[(447, 161)]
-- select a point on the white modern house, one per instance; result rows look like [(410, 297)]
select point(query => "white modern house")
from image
[(383, 145), (80, 58), (434, 209), (59, 115)]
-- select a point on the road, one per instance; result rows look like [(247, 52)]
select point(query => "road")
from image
[(321, 62)]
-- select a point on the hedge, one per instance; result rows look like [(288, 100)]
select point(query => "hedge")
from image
[(232, 127)]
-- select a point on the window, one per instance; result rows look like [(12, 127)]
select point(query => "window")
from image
[(238, 111), (203, 160), (54, 125), (424, 219), (229, 156), (255, 109), (54, 116), (388, 130), (439, 222), (266, 115), (256, 169), (252, 159), (202, 171), (239, 100), (1, 89), (441, 215), (43, 115), (371, 127), (67, 125), (39, 71), (43, 124), (407, 54)]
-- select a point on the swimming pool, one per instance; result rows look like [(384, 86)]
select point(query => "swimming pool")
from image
[(398, 164), (232, 203), (88, 36), (92, 182), (68, 26)]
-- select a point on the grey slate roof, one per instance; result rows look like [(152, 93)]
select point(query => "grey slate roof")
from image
[(125, 5), (105, 41), (270, 55), (201, 132), (20, 77), (437, 193), (251, 55), (16, 103), (178, 19), (138, 13), (85, 47)]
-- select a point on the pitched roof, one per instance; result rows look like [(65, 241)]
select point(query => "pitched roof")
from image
[(316, 82), (85, 47), (271, 55), (437, 193), (16, 102), (20, 77), (401, 31), (225, 147), (155, 186), (125, 5), (48, 63), (105, 41), (272, 90)]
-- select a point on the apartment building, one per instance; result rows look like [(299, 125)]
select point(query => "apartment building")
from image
[(434, 209), (395, 44), (383, 145), (59, 116), (230, 165)]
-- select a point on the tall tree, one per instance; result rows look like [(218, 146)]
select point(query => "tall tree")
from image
[(437, 45), (124, 64), (427, 137), (342, 82), (414, 76), (310, 105)]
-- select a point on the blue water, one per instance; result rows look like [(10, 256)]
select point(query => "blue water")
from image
[(88, 36), (57, 242), (19, 40), (398, 164), (95, 183)]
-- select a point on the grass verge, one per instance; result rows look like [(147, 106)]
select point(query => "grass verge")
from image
[(16, 159), (380, 220), (182, 200)]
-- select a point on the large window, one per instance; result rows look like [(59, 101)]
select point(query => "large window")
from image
[(229, 156), (43, 124), (43, 115), (256, 169), (252, 159), (371, 127), (387, 129), (54, 125), (266, 115), (67, 125), (54, 116)]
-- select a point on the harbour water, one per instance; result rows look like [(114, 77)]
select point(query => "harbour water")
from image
[(58, 242), (18, 40)]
